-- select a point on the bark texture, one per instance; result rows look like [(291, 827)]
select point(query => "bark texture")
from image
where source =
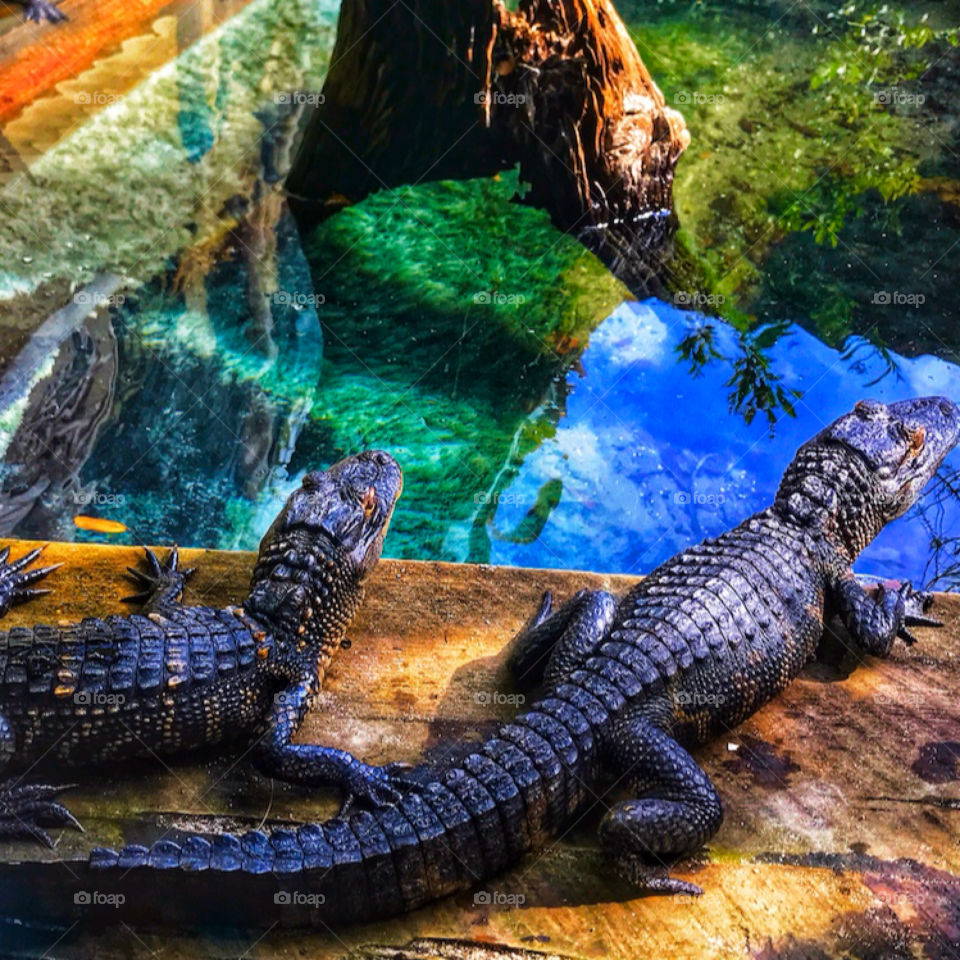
[(428, 90)]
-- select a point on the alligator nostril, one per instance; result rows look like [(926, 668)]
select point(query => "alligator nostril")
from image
[(947, 408)]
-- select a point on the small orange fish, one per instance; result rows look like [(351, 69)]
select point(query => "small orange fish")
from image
[(98, 524)]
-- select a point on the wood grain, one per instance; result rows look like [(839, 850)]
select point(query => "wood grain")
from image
[(842, 797)]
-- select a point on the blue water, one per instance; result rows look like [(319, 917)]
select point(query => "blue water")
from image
[(226, 354), (652, 459)]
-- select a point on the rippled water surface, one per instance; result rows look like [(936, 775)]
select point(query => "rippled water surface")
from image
[(176, 354)]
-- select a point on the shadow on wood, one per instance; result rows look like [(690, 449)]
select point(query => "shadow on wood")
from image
[(842, 796)]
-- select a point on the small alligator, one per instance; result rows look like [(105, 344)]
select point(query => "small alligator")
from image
[(629, 686), (40, 10), (175, 678)]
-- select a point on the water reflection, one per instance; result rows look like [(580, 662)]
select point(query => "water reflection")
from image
[(650, 459)]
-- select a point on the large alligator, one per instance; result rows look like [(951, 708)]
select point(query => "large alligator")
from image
[(175, 678), (629, 687)]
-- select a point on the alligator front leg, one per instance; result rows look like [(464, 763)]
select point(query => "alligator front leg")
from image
[(162, 585), (25, 809), (312, 765), (876, 619), (677, 810), (15, 581)]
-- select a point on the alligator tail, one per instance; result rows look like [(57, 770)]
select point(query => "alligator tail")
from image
[(462, 824)]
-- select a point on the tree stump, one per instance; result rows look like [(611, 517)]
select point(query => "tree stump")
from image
[(431, 90)]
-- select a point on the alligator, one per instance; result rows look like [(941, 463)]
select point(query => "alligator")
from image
[(628, 688), (175, 678), (40, 10)]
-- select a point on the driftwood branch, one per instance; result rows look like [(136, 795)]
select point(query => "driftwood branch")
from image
[(431, 90)]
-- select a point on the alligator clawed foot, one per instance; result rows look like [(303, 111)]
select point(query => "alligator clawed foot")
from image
[(915, 604), (375, 787), (15, 581), (653, 880), (40, 10), (163, 583), (25, 809)]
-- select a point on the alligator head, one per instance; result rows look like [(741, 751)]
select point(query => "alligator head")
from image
[(308, 579), (869, 466)]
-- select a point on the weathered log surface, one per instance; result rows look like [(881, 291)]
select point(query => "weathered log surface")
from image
[(430, 90), (842, 797)]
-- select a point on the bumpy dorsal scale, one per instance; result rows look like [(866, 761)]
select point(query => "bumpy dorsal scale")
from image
[(627, 685), (173, 678)]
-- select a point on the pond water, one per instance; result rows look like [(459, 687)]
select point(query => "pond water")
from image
[(176, 355)]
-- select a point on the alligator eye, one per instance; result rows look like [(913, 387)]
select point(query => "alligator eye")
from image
[(865, 409), (369, 501), (917, 438)]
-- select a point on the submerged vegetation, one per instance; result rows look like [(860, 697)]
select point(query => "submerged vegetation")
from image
[(448, 322), (822, 182)]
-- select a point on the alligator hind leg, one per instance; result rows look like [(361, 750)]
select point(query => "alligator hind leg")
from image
[(553, 641), (25, 809), (677, 807), (162, 585), (15, 581)]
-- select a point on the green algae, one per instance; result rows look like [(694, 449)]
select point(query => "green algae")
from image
[(450, 317), (814, 129)]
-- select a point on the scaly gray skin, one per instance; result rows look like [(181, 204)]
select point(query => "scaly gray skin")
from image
[(177, 678), (40, 10), (629, 685)]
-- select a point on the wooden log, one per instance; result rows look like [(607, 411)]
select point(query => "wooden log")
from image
[(842, 796), (432, 90)]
